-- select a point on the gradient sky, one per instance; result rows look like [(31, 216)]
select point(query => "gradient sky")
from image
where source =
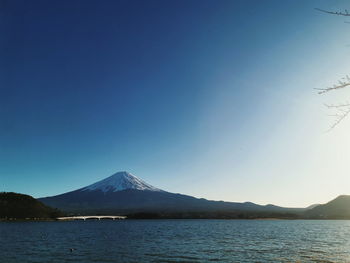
[(213, 99)]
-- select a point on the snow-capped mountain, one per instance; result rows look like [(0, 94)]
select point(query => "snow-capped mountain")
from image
[(123, 193), (120, 181)]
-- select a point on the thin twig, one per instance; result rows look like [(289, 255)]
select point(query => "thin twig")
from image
[(346, 13), (338, 106), (345, 82), (340, 118)]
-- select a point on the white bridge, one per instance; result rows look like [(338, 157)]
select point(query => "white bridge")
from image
[(90, 217)]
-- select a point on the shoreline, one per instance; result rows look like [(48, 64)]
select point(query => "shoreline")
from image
[(133, 219)]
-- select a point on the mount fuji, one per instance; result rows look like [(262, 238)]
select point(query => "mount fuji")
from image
[(126, 193), (119, 182)]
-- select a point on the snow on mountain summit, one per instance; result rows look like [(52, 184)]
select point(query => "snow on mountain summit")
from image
[(118, 182)]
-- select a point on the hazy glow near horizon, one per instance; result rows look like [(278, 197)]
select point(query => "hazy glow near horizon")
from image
[(211, 99)]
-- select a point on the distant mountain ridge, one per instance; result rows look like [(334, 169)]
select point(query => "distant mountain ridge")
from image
[(126, 193), (338, 208)]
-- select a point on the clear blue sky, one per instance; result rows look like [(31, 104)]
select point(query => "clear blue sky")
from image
[(209, 98)]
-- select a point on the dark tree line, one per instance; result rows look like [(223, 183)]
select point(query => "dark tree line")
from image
[(19, 206)]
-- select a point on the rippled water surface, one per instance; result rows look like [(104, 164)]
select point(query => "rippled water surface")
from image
[(176, 241)]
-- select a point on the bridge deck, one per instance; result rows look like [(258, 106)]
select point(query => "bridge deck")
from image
[(90, 217)]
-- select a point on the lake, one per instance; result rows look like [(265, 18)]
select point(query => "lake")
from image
[(176, 241)]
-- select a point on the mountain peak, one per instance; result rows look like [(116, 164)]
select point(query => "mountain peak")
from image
[(118, 182)]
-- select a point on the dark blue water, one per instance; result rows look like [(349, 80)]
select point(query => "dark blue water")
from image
[(176, 241)]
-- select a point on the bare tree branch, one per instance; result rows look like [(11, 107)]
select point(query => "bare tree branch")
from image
[(341, 111), (340, 117), (338, 106), (346, 13), (343, 83)]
